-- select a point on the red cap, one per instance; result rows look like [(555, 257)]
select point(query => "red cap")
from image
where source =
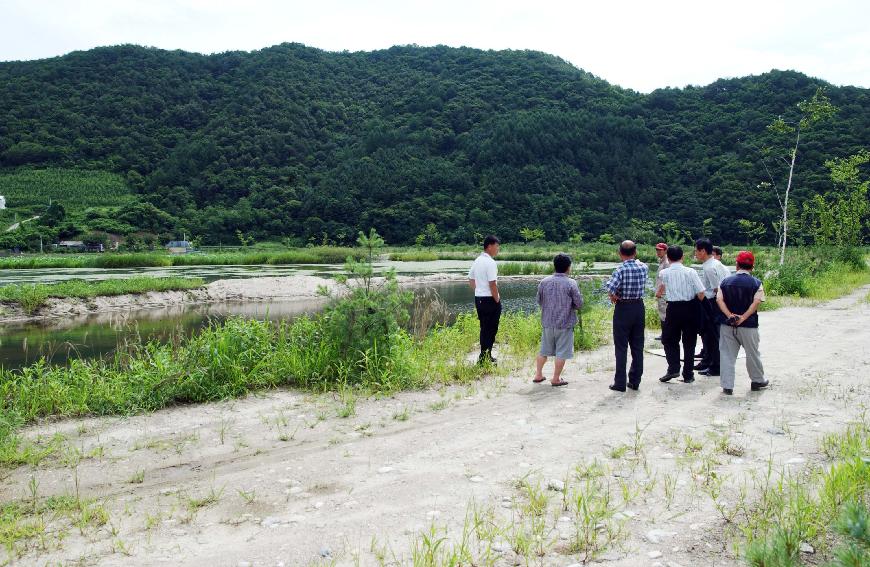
[(661, 246), (746, 258)]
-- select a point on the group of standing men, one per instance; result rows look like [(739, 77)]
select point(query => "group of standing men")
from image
[(721, 307)]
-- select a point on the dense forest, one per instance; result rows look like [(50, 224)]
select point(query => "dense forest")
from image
[(425, 144)]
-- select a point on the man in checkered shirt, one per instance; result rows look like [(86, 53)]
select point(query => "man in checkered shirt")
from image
[(626, 289)]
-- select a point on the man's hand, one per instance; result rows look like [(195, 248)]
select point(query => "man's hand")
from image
[(613, 298), (493, 287)]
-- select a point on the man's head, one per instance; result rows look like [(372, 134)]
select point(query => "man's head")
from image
[(491, 245), (661, 250), (562, 263), (745, 260), (627, 250), (717, 253), (703, 249), (675, 254)]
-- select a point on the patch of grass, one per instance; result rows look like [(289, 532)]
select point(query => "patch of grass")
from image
[(36, 523), (32, 297), (795, 507), (316, 255), (525, 269), (586, 502)]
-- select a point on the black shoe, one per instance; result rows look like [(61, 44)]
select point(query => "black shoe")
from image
[(634, 387), (689, 379), (669, 376), (701, 366), (728, 391), (615, 389), (709, 372), (756, 386)]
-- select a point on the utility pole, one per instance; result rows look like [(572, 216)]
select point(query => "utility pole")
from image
[(40, 244)]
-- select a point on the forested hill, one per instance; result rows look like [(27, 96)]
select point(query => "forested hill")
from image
[(292, 141)]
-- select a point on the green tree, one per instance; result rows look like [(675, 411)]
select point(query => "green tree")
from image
[(811, 111), (752, 230), (429, 237), (365, 318), (841, 218), (532, 234)]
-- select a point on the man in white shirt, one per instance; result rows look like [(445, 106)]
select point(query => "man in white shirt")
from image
[(683, 289), (483, 279), (712, 272)]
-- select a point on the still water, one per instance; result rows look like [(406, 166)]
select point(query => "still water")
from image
[(98, 335)]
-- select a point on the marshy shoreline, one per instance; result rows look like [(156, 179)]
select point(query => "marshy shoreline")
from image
[(297, 288)]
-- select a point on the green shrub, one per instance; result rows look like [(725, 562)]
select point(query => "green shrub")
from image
[(792, 278), (852, 257)]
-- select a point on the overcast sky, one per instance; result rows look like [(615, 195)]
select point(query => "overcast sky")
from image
[(642, 45)]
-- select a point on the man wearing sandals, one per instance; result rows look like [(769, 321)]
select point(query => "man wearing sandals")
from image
[(560, 299)]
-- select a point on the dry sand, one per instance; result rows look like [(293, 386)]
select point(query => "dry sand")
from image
[(323, 488)]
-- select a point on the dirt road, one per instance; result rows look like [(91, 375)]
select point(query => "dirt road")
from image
[(281, 479)]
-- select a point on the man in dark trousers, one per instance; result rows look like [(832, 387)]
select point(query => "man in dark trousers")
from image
[(483, 279), (739, 298), (683, 289), (712, 272), (626, 289)]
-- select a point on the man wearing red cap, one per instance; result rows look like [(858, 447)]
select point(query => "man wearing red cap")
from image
[(661, 302), (739, 297)]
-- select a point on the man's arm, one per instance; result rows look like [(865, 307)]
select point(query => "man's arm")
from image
[(720, 300), (660, 291), (700, 288), (749, 312), (472, 283), (576, 298), (612, 285), (493, 287)]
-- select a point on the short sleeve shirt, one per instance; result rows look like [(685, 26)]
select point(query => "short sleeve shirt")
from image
[(483, 270), (712, 273), (681, 283), (628, 280), (559, 298)]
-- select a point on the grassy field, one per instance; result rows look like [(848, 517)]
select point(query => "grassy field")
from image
[(76, 189), (318, 255), (32, 297), (582, 255)]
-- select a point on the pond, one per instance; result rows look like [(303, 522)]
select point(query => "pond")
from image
[(212, 273), (59, 341)]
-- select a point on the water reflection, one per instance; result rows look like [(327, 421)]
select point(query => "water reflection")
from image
[(63, 339)]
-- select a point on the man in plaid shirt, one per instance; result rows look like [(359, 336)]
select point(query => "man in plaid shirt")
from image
[(560, 299), (626, 289)]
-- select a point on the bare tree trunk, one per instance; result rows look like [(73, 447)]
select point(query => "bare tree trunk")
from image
[(785, 202)]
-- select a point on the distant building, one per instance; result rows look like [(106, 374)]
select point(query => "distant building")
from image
[(179, 247), (2, 202), (70, 245)]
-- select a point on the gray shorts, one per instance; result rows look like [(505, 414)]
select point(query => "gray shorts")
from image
[(558, 343)]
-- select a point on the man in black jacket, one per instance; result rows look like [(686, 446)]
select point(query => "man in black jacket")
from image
[(739, 298)]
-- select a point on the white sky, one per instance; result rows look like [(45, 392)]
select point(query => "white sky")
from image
[(636, 44)]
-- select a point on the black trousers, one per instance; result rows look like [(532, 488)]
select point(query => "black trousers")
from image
[(489, 314), (629, 320), (710, 334), (682, 322)]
